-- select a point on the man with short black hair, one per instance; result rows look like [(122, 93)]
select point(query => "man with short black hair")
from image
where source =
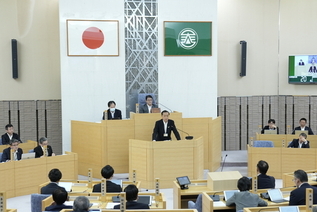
[(301, 142), (59, 197), (55, 175), (14, 145), (147, 107), (112, 112), (131, 195), (164, 127), (271, 126), (264, 181), (107, 173), (9, 135), (81, 204), (302, 126), (245, 199), (39, 150), (298, 196)]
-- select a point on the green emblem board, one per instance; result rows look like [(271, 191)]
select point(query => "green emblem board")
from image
[(187, 38)]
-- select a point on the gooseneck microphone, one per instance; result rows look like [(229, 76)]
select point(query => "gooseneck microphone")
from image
[(223, 162), (166, 107), (188, 137)]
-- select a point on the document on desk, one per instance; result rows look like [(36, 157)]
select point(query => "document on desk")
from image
[(66, 185), (110, 205), (219, 204)]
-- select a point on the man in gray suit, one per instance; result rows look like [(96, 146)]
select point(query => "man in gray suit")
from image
[(245, 199), (146, 108)]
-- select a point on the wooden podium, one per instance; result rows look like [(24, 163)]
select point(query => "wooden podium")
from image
[(166, 160)]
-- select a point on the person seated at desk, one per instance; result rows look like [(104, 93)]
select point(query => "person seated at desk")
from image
[(147, 108), (55, 175), (244, 198), (9, 135), (164, 127), (264, 181), (298, 196), (270, 126), (107, 173), (131, 192), (302, 126), (301, 142), (81, 204), (14, 145), (112, 112), (59, 197), (39, 150)]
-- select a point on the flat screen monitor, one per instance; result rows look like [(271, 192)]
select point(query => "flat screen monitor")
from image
[(183, 181), (302, 69), (270, 131), (28, 156), (289, 209), (229, 193)]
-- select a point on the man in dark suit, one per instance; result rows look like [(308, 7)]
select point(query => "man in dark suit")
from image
[(131, 192), (43, 144), (55, 175), (9, 135), (302, 126), (14, 145), (59, 197), (298, 196), (147, 108), (107, 173), (264, 181), (301, 142), (112, 112), (271, 126), (164, 127)]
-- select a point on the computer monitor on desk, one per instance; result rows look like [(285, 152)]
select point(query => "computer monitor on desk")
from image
[(270, 132), (183, 182), (297, 132)]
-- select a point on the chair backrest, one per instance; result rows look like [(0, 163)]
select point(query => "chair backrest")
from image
[(141, 98), (260, 143), (198, 205), (36, 202)]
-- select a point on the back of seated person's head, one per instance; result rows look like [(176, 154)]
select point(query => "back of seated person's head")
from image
[(131, 192), (55, 175), (244, 184), (81, 203), (59, 196), (107, 172), (262, 166), (301, 175)]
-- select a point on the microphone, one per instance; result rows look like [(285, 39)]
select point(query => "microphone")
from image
[(214, 197), (188, 137), (166, 107), (223, 163)]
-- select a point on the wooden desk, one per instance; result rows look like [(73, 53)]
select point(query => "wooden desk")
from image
[(26, 146), (165, 160), (98, 144), (143, 210), (282, 140), (281, 160), (288, 178), (96, 198), (302, 208), (23, 177)]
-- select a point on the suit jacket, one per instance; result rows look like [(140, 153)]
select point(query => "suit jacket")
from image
[(117, 115), (145, 109), (7, 152), (245, 199), (49, 188), (265, 181), (133, 205), (6, 140), (295, 144), (310, 132), (298, 196), (110, 187), (55, 207), (158, 131), (267, 128), (39, 151)]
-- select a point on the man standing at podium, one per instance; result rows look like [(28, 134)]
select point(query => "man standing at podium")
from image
[(164, 127)]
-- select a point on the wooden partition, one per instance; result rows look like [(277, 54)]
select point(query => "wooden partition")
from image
[(26, 146), (302, 208), (165, 160), (143, 210), (99, 144), (23, 177), (282, 140), (281, 160)]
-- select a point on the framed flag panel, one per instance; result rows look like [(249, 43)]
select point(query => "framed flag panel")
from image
[(92, 38), (187, 38)]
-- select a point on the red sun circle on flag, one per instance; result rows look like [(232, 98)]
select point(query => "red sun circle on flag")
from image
[(93, 38)]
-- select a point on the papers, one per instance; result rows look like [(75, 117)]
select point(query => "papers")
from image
[(66, 185), (219, 204), (110, 205)]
